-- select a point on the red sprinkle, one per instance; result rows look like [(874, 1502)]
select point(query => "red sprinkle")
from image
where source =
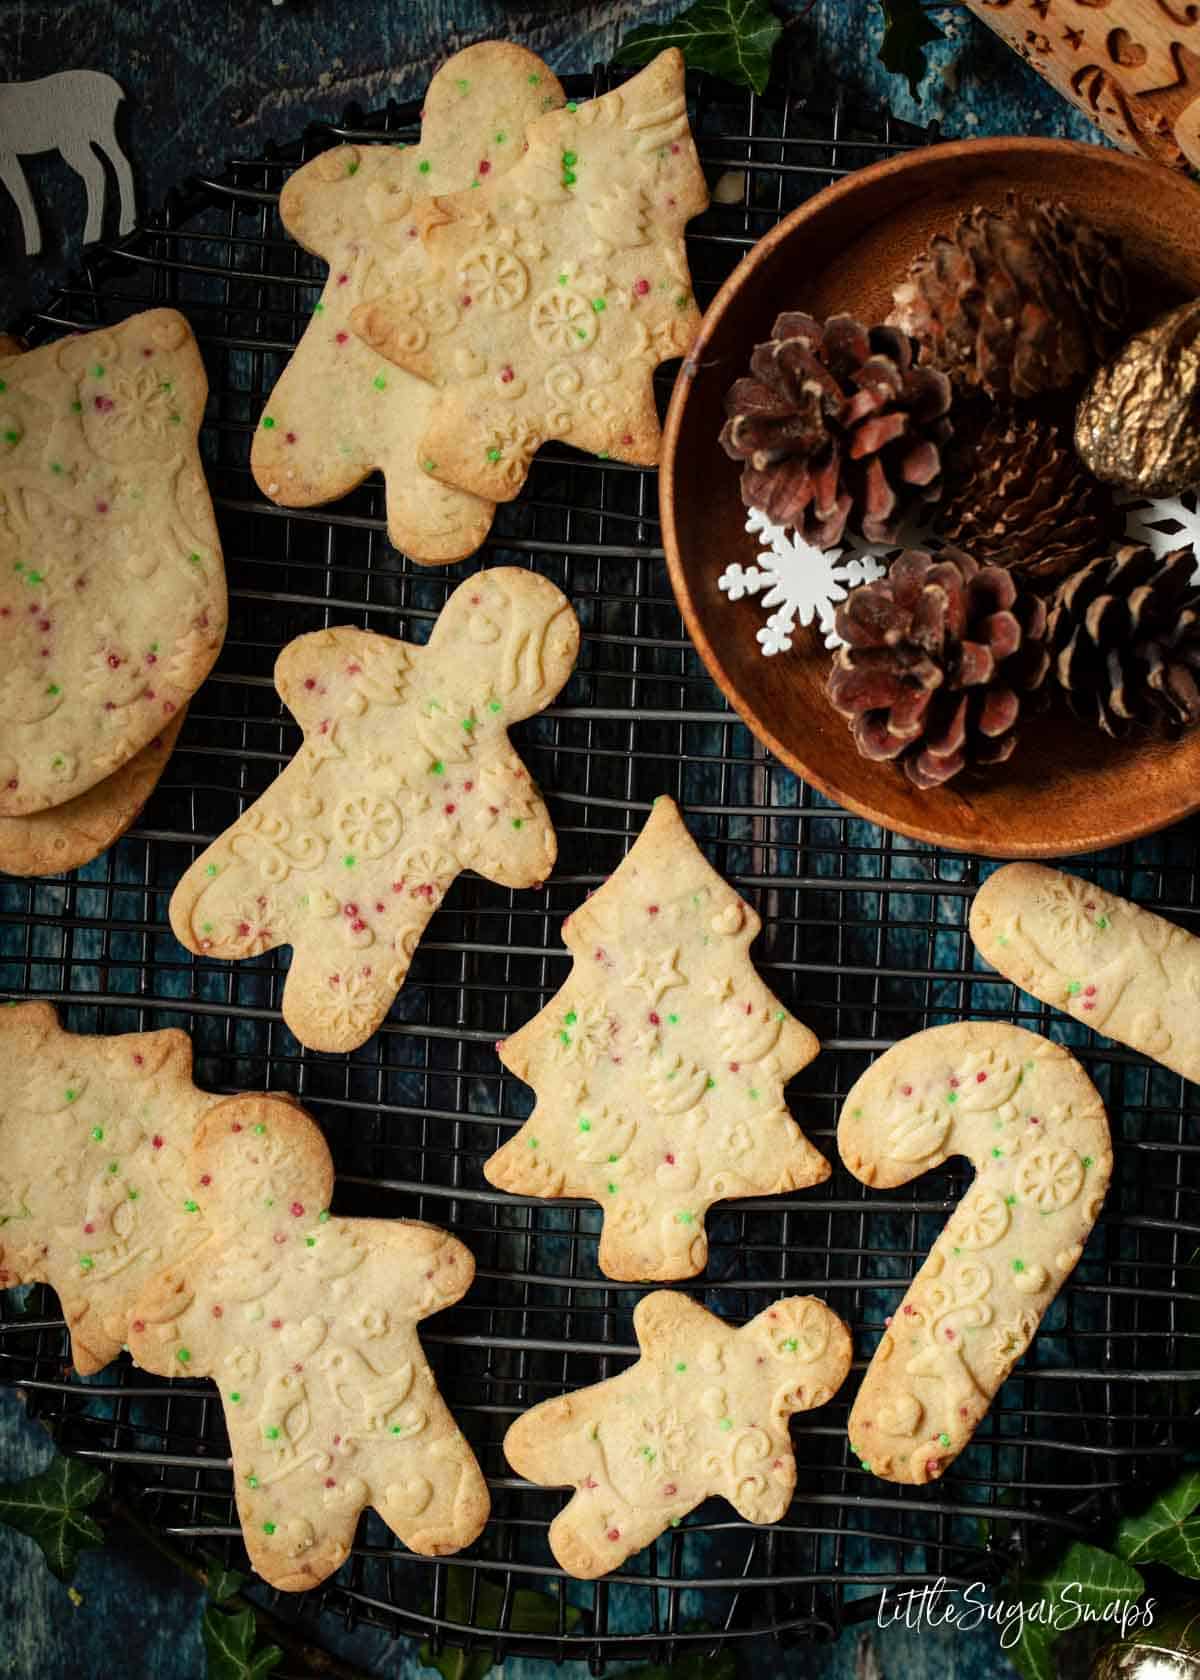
[(157, 1141), (614, 1534), (670, 1489), (104, 404), (297, 1209), (279, 1237), (329, 1482), (101, 507), (735, 1067), (350, 910), (114, 661), (138, 1324), (979, 1078), (206, 1179), (954, 1083), (236, 1126), (485, 167), (343, 279), (908, 1310), (89, 1228), (641, 287), (669, 1159), (590, 1483), (652, 910), (506, 375), (138, 1058), (450, 809), (277, 1324), (290, 437), (341, 338), (218, 1312), (1089, 991)]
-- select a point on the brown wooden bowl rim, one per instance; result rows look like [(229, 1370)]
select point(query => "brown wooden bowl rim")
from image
[(1146, 173)]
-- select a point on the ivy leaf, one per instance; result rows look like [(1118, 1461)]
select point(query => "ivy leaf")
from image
[(229, 1644), (907, 31), (1083, 1579), (223, 1584), (531, 1612), (1168, 1531), (1031, 1655), (730, 38), (51, 1508)]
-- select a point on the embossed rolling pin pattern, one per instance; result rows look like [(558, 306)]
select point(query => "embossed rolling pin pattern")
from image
[(341, 410), (1033, 1126), (307, 1324), (1112, 965), (406, 777), (703, 1412), (661, 1064), (112, 585)]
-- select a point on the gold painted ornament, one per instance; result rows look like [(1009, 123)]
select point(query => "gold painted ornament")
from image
[(1138, 422)]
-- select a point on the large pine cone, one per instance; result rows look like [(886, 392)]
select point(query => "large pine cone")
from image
[(1124, 638), (835, 426), (938, 656), (1020, 301), (1016, 496)]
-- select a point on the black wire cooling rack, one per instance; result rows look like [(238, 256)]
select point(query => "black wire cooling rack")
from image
[(865, 937)]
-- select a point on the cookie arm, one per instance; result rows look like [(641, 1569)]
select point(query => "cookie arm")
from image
[(1032, 1124)]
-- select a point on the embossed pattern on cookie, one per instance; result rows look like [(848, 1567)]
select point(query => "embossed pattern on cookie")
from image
[(1032, 1124), (703, 1412), (97, 1187), (340, 409), (112, 586), (1119, 969), (554, 293), (406, 777), (660, 1066), (307, 1324)]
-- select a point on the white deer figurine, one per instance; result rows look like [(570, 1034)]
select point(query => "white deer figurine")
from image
[(72, 113)]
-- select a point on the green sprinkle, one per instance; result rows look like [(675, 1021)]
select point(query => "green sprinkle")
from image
[(260, 1128), (648, 1453), (76, 408), (501, 137), (1074, 988), (252, 1481), (349, 861), (598, 306), (568, 177), (56, 467), (462, 84), (379, 382), (562, 279), (193, 559), (211, 870), (791, 1344), (494, 706), (1018, 1265), (12, 436), (725, 1423), (580, 332), (86, 1262), (564, 1038), (70, 1093), (681, 302), (612, 1189), (397, 1429), (423, 166), (710, 1083), (997, 1154), (437, 768), (673, 1020), (428, 466), (1087, 1160), (114, 1166), (133, 1195), (97, 1131), (684, 1217), (1102, 923), (533, 1143), (603, 455), (352, 168), (585, 1125), (183, 1355), (268, 424), (268, 1527), (570, 1017), (271, 1432), (571, 105), (53, 688), (569, 160), (518, 822), (1010, 1201), (534, 78), (951, 1096), (681, 1365), (493, 454), (191, 1207), (235, 1397), (318, 308), (753, 1094), (4, 387), (98, 371), (323, 1217), (944, 1439), (310, 1242), (468, 724)]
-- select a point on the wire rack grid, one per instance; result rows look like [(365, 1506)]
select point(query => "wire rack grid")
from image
[(865, 938)]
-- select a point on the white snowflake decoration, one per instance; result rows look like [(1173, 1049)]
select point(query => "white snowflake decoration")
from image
[(1165, 523), (804, 583)]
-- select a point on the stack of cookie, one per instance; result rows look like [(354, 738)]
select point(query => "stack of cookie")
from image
[(112, 586)]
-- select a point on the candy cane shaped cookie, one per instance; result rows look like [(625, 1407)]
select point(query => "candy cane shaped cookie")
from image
[(1031, 1123), (1110, 964)]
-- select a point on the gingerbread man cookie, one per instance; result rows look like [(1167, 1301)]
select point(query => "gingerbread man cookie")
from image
[(97, 1186), (704, 1411), (661, 1064), (341, 410), (307, 1324), (405, 778), (554, 292), (112, 586), (1032, 1124)]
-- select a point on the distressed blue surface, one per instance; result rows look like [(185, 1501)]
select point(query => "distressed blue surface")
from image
[(208, 78)]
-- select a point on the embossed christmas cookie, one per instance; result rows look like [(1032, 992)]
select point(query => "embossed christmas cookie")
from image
[(97, 1188), (112, 587), (554, 292), (1031, 1123), (68, 836), (341, 410), (660, 1065), (704, 1411), (307, 1324), (406, 777), (1112, 965)]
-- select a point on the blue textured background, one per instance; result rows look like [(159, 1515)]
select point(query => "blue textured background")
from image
[(208, 78)]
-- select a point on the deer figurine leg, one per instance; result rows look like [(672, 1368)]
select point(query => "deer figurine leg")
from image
[(110, 146), (12, 176), (85, 163)]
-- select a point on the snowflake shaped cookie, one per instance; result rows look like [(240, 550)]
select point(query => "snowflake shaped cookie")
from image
[(703, 1412), (1165, 523), (406, 777), (307, 1324), (341, 410), (661, 1064)]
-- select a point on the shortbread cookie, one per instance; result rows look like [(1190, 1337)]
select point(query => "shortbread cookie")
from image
[(704, 1411), (406, 777), (68, 836), (112, 588), (307, 1324), (660, 1065), (1110, 964), (97, 1187), (553, 293), (1032, 1124), (340, 410)]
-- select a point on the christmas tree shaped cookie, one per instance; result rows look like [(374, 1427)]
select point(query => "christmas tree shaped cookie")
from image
[(553, 292), (661, 1064), (704, 1411), (307, 1324), (406, 777), (340, 410), (97, 1187), (112, 586)]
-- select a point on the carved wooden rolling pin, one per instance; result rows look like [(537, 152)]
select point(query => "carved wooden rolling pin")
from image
[(1032, 1124), (1132, 66), (1117, 968)]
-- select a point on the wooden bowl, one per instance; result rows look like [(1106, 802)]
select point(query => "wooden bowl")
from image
[(1066, 789)]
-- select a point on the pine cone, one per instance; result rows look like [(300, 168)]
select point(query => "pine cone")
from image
[(1020, 301), (938, 655), (1016, 496), (1124, 640), (836, 425)]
